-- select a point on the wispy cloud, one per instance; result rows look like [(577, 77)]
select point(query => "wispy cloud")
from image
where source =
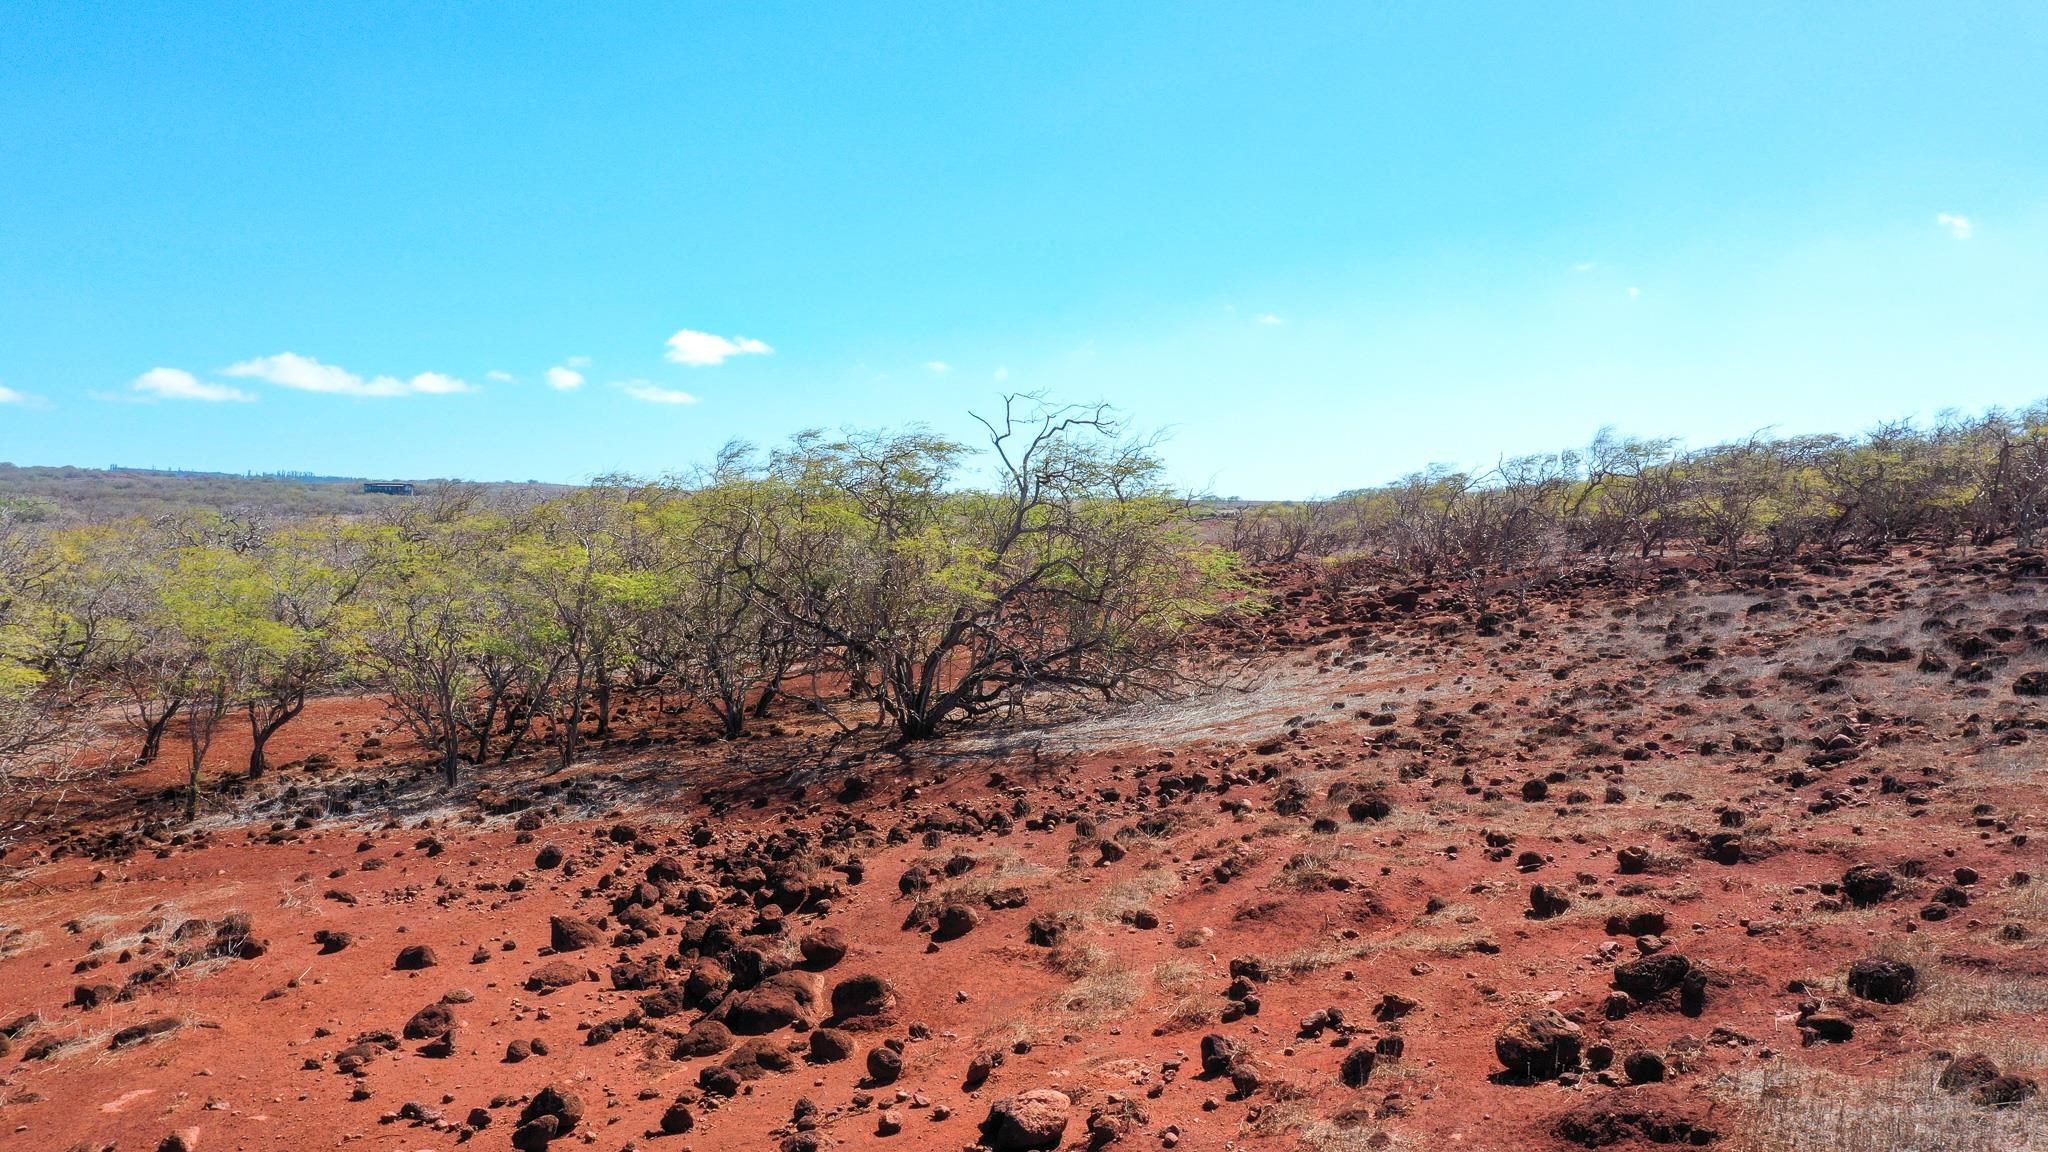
[(498, 377), (1634, 292), (578, 361), (564, 379), (705, 350), (1000, 374), (21, 399), (937, 367), (654, 393), (305, 374), (1268, 319), (178, 384), (1958, 226), (1583, 266)]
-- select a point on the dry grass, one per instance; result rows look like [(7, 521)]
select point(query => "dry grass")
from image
[(1176, 977), (14, 941), (1313, 868), (1101, 986), (1950, 998), (1311, 958), (1315, 1130), (1142, 892), (1191, 1007), (1790, 1108)]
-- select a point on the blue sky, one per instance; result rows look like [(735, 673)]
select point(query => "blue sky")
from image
[(1321, 245)]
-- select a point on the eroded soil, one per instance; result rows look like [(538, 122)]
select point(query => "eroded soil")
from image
[(1326, 904)]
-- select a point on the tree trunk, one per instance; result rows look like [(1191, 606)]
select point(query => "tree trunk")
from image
[(199, 738), (153, 735)]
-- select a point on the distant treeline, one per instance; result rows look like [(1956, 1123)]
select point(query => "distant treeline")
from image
[(96, 495), (1978, 479)]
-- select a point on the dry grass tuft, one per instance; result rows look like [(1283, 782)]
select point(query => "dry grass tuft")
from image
[(1315, 1131), (1101, 986), (1142, 892), (1789, 1108)]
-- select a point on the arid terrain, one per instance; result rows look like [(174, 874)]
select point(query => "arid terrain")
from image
[(1678, 858)]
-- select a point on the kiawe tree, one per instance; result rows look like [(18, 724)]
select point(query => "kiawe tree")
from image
[(709, 570), (1075, 571), (426, 622), (32, 665), (296, 601), (205, 616)]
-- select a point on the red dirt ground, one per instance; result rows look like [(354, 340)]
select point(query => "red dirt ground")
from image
[(1799, 715)]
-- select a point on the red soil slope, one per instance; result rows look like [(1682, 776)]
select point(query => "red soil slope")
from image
[(1403, 827)]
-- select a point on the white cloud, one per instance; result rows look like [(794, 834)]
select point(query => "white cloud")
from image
[(10, 396), (704, 350), (1268, 319), (1958, 226), (1634, 292), (496, 376), (178, 384), (305, 374), (563, 379), (578, 361), (654, 393), (435, 384), (937, 367), (1583, 266), (1002, 374)]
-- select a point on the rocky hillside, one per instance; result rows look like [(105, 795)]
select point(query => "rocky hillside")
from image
[(1688, 859)]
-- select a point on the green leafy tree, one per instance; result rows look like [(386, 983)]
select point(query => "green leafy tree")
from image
[(1075, 571), (427, 621)]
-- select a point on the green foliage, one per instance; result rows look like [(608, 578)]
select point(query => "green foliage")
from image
[(1980, 479)]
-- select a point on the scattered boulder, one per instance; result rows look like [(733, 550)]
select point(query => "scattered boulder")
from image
[(830, 1045), (1356, 1071), (1033, 1119), (862, 995), (705, 1038), (1546, 901), (1538, 1046), (1652, 976), (1965, 1073), (1634, 1116), (1866, 884), (885, 1064), (678, 1119), (433, 1020), (756, 1058), (555, 974), (1219, 1053), (823, 948), (553, 1112), (1643, 1067), (1884, 981), (147, 1030), (955, 921), (776, 1003), (572, 934)]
